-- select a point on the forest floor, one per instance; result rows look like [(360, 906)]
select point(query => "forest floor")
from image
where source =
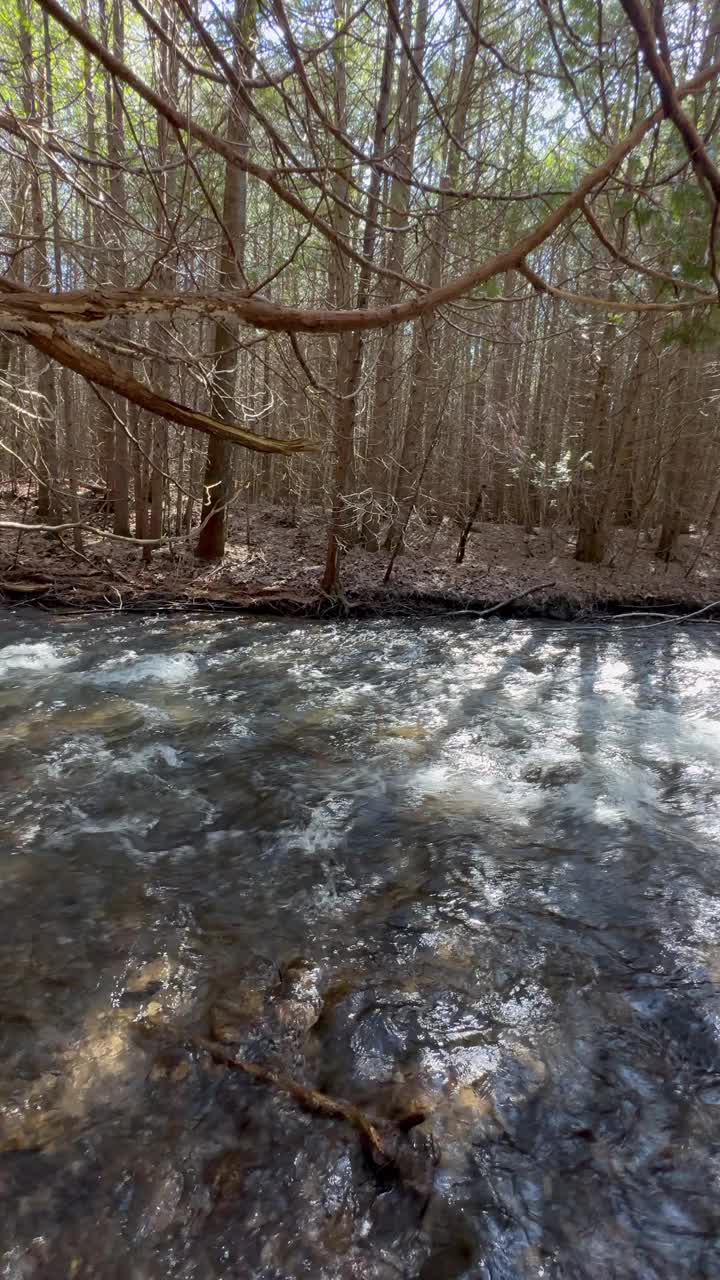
[(274, 566)]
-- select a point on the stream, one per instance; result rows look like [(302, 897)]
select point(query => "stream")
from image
[(464, 875)]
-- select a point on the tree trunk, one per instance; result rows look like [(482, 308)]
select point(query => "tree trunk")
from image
[(350, 346), (211, 542), (468, 526), (114, 250), (427, 387), (676, 472), (47, 408), (65, 387), (380, 443), (591, 541)]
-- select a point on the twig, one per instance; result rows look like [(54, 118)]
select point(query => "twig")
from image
[(483, 613), (74, 551), (382, 1140), (130, 582), (116, 608), (666, 618), (641, 613), (91, 528)]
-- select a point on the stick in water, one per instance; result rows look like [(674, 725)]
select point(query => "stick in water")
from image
[(483, 613)]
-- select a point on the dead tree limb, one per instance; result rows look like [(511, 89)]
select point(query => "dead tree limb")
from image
[(98, 371), (383, 1141)]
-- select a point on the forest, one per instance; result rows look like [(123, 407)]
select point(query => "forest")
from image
[(403, 291)]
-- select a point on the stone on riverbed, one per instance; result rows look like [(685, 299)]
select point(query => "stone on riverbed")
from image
[(170, 1066), (149, 978), (155, 1205), (297, 1001)]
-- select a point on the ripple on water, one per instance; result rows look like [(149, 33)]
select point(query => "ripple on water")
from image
[(36, 655), (465, 876), (131, 668)]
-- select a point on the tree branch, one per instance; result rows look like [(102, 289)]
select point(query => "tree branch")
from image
[(610, 304), (28, 312), (99, 371)]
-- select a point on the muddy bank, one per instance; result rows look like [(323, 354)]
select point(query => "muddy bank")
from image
[(274, 567), (541, 602)]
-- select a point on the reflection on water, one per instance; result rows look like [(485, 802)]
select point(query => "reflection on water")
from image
[(463, 875)]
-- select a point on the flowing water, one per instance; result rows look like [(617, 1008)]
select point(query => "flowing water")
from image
[(462, 875)]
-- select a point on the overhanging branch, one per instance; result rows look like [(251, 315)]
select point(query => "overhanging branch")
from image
[(103, 374), (27, 312)]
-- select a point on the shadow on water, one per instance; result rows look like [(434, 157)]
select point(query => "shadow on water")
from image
[(464, 877)]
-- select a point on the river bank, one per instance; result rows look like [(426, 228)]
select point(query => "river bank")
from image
[(272, 566)]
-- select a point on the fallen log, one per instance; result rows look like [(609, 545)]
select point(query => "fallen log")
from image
[(24, 590)]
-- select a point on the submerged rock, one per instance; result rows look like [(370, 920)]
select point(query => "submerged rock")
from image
[(413, 732), (262, 1007), (297, 1000), (149, 978), (237, 1014), (170, 1066), (227, 1175), (155, 1205)]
